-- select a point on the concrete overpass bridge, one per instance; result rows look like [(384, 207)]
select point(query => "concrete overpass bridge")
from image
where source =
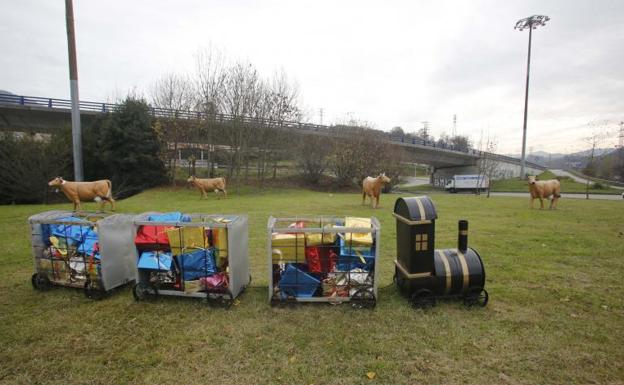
[(45, 115)]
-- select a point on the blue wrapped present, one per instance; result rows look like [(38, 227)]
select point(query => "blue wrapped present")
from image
[(89, 240), (198, 263), (174, 216), (296, 283), (355, 257), (354, 251), (155, 260), (73, 234)]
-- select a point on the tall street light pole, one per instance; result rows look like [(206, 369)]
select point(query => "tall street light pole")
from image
[(531, 23), (73, 89)]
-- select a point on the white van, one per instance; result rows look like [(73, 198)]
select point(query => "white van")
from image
[(467, 183)]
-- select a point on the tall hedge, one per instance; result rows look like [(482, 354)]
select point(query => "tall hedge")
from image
[(28, 162)]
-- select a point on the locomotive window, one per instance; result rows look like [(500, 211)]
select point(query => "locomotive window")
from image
[(421, 242)]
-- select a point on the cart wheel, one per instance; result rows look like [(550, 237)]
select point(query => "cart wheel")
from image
[(40, 282), (142, 291), (476, 296), (363, 299), (276, 299), (423, 299), (93, 291), (226, 300)]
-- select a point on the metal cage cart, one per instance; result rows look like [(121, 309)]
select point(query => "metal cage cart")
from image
[(323, 259), (424, 273), (92, 251), (191, 255)]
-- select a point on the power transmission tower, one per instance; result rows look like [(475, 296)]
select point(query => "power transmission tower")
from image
[(454, 125), (321, 115)]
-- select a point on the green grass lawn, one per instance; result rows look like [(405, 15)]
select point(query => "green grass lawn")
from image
[(568, 185), (556, 311)]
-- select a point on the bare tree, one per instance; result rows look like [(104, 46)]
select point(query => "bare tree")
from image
[(173, 92), (362, 152), (280, 103), (593, 141), (241, 98), (312, 156), (210, 76), (488, 164)]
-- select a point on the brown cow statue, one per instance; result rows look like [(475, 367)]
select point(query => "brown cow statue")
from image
[(98, 191), (372, 187), (543, 189), (205, 185)]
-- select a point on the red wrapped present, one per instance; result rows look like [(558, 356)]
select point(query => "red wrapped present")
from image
[(153, 237), (321, 259)]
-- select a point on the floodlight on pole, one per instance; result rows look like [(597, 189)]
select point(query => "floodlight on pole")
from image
[(73, 90), (529, 23)]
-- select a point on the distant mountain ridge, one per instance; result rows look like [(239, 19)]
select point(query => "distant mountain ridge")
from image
[(544, 154), (558, 160)]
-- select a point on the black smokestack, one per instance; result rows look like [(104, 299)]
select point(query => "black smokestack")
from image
[(462, 237)]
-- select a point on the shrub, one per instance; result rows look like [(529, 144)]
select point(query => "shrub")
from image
[(28, 162), (598, 186)]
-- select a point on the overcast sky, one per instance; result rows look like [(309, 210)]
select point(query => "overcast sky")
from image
[(391, 63)]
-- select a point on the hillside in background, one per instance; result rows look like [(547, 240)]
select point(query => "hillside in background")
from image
[(576, 160)]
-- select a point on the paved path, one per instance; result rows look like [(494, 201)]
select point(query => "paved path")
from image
[(578, 179), (609, 197), (409, 181)]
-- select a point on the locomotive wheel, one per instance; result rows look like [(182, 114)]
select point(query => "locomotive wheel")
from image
[(40, 282), (423, 299), (93, 291), (363, 299), (476, 296), (142, 291), (399, 279)]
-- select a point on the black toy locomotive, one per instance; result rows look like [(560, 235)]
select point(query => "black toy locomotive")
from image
[(423, 273)]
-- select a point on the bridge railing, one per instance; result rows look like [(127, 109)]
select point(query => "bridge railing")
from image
[(96, 107), (36, 101), (470, 151)]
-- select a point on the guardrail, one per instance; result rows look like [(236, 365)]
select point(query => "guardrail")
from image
[(593, 179), (96, 107)]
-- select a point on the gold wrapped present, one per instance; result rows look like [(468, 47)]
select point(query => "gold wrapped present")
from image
[(319, 239), (56, 270), (191, 287), (288, 248), (220, 243), (185, 239), (358, 239)]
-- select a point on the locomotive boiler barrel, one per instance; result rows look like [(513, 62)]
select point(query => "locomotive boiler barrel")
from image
[(458, 272)]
